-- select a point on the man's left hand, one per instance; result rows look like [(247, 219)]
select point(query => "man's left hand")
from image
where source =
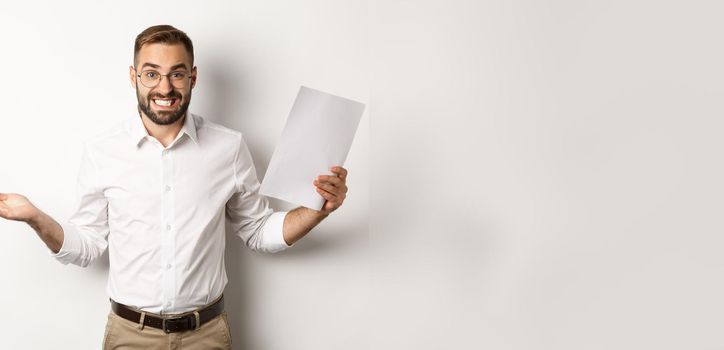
[(333, 188)]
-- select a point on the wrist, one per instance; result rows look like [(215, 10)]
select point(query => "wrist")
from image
[(34, 217), (317, 214)]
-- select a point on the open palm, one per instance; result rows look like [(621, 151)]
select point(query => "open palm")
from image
[(15, 206)]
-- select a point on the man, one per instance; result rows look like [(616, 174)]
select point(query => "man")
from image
[(157, 191)]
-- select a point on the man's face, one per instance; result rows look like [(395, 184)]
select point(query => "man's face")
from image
[(166, 102)]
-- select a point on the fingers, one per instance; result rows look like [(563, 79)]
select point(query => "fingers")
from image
[(333, 201), (329, 196), (3, 196), (340, 171), (332, 180), (330, 187)]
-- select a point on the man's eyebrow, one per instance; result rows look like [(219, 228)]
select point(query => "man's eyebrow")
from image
[(180, 65), (150, 65), (175, 67)]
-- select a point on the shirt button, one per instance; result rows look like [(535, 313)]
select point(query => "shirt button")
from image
[(168, 227), (168, 266), (168, 188), (168, 304)]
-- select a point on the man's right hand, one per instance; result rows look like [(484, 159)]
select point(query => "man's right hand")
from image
[(16, 207)]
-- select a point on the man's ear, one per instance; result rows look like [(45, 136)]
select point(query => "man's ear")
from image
[(193, 77), (132, 75)]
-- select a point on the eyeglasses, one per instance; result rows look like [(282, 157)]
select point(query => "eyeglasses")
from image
[(151, 78)]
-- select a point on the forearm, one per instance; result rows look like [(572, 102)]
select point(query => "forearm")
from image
[(48, 230), (298, 222)]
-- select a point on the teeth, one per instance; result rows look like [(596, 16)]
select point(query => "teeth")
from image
[(163, 102)]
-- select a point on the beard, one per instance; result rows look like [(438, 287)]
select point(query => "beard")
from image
[(164, 117)]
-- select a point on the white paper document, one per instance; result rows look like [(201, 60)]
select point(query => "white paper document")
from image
[(317, 136)]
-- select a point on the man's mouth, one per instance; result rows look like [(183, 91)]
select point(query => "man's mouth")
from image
[(165, 102)]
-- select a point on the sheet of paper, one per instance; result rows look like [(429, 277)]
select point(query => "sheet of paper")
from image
[(318, 135)]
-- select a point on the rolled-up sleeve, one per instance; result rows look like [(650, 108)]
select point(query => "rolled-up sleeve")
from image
[(249, 213), (85, 234)]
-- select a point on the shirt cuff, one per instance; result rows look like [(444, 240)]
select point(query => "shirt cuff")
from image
[(273, 235), (71, 244)]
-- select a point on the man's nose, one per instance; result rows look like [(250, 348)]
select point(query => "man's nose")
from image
[(164, 86)]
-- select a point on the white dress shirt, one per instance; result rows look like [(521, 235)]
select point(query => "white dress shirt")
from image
[(162, 212)]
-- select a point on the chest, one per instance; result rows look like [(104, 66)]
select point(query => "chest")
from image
[(152, 179)]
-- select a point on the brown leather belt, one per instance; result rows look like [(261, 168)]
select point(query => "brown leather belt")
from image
[(181, 323)]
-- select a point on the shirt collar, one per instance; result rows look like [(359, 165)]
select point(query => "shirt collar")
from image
[(138, 131)]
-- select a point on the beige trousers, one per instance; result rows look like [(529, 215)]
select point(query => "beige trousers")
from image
[(122, 334)]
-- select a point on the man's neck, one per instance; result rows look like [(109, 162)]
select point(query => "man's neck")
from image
[(165, 134)]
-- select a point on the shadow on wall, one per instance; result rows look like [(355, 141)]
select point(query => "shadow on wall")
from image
[(100, 267), (227, 90)]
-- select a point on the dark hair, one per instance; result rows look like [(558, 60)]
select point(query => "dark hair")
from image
[(163, 34)]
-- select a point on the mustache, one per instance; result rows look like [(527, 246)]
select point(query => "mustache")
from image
[(173, 94)]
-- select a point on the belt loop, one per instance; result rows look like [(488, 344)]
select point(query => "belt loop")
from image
[(198, 320), (140, 322)]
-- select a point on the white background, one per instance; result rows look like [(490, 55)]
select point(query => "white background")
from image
[(541, 175), (551, 173)]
